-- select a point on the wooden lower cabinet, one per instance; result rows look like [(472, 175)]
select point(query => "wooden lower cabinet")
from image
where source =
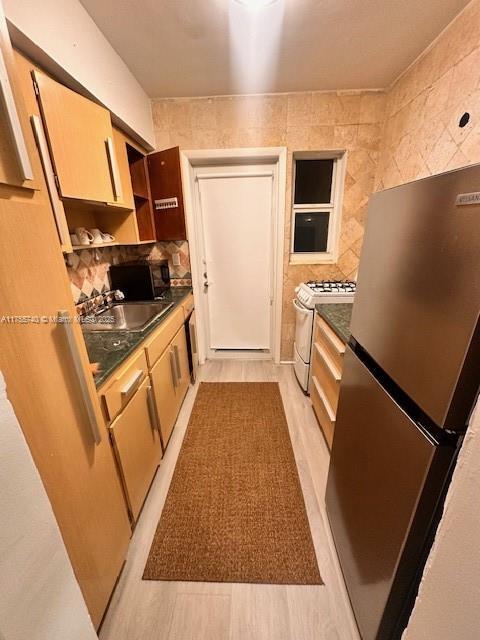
[(327, 364), (323, 411), (163, 378), (179, 345), (170, 380), (137, 444)]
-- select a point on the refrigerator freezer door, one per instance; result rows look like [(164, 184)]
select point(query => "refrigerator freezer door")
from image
[(418, 294), (384, 482)]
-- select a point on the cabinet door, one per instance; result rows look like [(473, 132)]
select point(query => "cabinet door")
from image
[(80, 477), (137, 446), (80, 134), (164, 382), (120, 143), (15, 135), (179, 346), (166, 182)]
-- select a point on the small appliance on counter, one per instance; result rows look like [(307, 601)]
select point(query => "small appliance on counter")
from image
[(308, 295), (141, 279)]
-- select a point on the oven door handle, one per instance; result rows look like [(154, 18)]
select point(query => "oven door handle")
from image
[(300, 308)]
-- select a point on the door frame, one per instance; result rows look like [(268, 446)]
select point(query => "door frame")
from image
[(191, 160)]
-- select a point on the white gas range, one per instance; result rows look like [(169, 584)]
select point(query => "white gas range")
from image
[(310, 294)]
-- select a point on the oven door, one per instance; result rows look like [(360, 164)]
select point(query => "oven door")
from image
[(303, 330)]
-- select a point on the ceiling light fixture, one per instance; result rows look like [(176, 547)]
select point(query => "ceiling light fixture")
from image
[(255, 4)]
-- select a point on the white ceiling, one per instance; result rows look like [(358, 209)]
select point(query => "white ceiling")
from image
[(214, 47)]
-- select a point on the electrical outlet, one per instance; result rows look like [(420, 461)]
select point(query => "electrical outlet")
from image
[(176, 259)]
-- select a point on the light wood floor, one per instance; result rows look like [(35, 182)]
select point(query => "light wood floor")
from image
[(146, 610)]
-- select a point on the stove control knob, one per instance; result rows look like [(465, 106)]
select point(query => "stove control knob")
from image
[(297, 289)]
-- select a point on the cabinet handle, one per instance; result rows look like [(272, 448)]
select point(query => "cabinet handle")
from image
[(57, 206), (113, 164), (177, 362), (66, 322), (13, 120), (173, 369), (132, 383), (151, 409)]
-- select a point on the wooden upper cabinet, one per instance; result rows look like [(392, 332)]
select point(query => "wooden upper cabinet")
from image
[(17, 146), (120, 143), (141, 194), (80, 137), (138, 174), (166, 183)]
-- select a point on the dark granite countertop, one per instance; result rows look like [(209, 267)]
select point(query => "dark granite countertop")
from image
[(337, 316), (111, 348)]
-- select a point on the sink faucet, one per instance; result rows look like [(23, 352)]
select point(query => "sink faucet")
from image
[(118, 295)]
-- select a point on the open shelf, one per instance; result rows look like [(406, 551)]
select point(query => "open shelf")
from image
[(79, 247), (141, 194), (96, 245)]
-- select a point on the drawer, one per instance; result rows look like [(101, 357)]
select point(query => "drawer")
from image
[(188, 305), (126, 381), (323, 411), (327, 373), (156, 345), (331, 343)]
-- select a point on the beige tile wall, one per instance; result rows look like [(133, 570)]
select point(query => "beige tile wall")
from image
[(421, 135), (302, 122)]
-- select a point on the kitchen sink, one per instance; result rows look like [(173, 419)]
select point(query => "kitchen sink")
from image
[(130, 316)]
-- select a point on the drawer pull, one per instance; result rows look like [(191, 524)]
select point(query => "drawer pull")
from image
[(151, 409), (332, 367), (173, 369), (323, 398), (132, 383)]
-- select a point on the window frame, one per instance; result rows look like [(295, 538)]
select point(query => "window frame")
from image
[(334, 208)]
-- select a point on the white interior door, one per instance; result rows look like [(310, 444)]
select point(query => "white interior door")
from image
[(236, 209)]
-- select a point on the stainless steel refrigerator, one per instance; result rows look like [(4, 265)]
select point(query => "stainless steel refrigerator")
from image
[(411, 378)]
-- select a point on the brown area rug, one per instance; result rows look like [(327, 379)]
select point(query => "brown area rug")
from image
[(235, 510)]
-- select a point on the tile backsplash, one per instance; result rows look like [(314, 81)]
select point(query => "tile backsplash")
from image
[(88, 269)]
